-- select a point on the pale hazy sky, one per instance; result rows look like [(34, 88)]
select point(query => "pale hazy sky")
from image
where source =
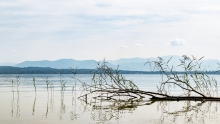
[(94, 29)]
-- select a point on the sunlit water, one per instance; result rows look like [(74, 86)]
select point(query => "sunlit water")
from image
[(49, 105)]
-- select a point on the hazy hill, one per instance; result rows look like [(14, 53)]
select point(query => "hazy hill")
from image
[(60, 64), (132, 64)]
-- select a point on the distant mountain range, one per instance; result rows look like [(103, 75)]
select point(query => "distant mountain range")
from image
[(60, 64), (131, 64)]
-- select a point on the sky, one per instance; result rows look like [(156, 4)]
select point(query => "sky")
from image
[(112, 29)]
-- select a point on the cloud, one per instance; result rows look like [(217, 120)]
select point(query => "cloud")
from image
[(177, 42), (123, 47), (15, 51), (27, 25), (138, 45)]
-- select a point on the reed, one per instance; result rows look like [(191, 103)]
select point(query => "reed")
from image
[(34, 83), (62, 83), (17, 82), (47, 82), (12, 86)]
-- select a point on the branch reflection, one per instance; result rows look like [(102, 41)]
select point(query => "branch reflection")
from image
[(187, 111), (62, 91), (33, 108), (73, 114), (15, 106), (174, 112)]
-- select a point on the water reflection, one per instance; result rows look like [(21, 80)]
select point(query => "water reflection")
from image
[(62, 91), (187, 112), (33, 109), (60, 102), (12, 105), (171, 111), (50, 96), (15, 107), (73, 114), (102, 114), (62, 107), (105, 111), (18, 106)]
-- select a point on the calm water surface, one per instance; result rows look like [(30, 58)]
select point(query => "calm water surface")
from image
[(51, 106)]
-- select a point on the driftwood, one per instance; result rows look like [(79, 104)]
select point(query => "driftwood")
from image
[(188, 98), (109, 84), (138, 95)]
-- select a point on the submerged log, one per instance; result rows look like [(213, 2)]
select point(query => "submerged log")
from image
[(185, 98), (133, 94)]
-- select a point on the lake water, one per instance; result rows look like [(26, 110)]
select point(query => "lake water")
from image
[(51, 106)]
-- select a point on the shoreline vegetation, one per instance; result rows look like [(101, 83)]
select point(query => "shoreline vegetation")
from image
[(48, 70)]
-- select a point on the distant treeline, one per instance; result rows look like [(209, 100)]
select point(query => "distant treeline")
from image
[(47, 70)]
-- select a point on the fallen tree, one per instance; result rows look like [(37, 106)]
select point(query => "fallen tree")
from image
[(194, 82)]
